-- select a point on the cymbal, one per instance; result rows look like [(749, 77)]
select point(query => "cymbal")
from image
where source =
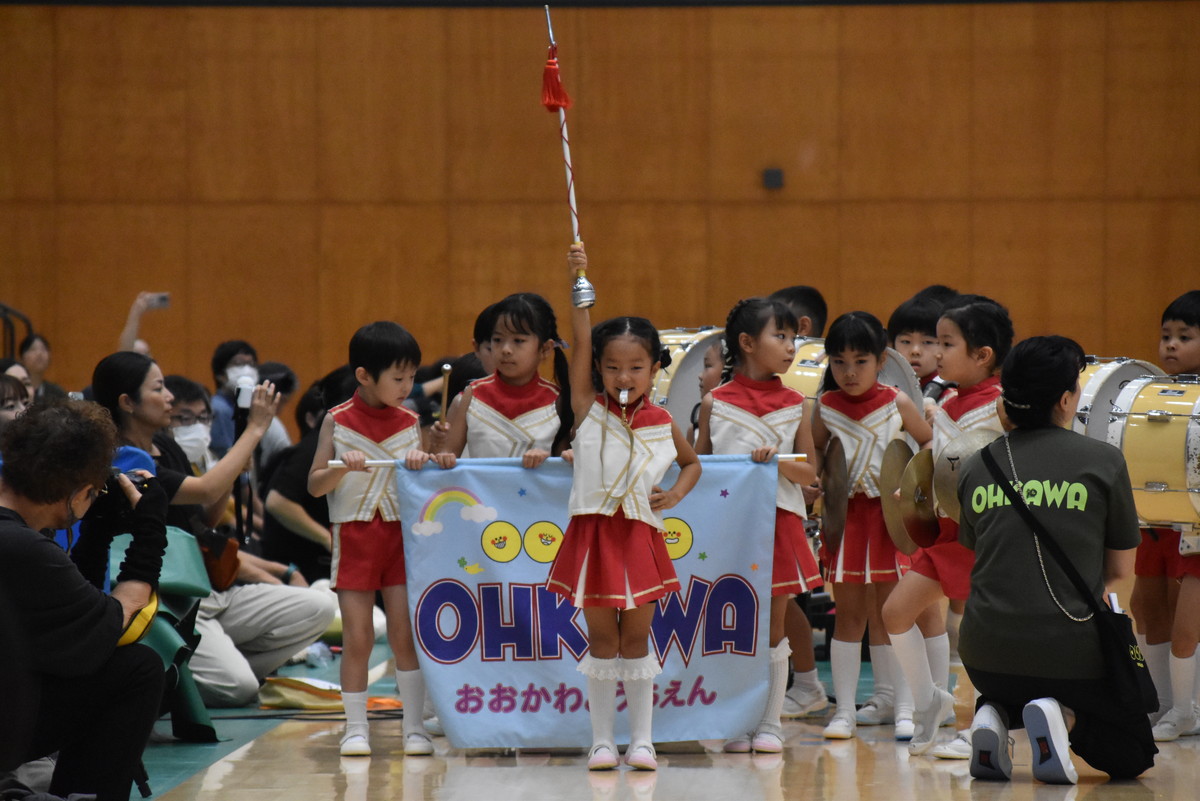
[(835, 494), (948, 463), (916, 500), (895, 458)]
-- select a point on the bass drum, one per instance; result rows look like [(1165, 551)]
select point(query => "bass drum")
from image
[(1156, 424), (1101, 382), (677, 387), (808, 371)]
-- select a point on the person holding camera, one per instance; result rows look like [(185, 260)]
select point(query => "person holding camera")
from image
[(260, 613), (68, 687)]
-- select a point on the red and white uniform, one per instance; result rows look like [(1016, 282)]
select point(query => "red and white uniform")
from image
[(505, 420), (749, 414), (946, 561), (613, 552), (368, 543), (865, 424)]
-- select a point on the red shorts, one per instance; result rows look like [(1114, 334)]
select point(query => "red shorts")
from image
[(367, 555), (1189, 566), (947, 562), (867, 554), (612, 561), (1158, 554), (795, 569)]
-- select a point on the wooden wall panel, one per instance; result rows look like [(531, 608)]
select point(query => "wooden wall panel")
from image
[(774, 102), (643, 104), (121, 80), (653, 262), (252, 272), (501, 143), (905, 102), (1152, 250), (252, 111), (106, 254), (755, 249), (382, 122), (27, 261), (891, 250), (1038, 101), (383, 263), (26, 117), (1044, 261), (1153, 99)]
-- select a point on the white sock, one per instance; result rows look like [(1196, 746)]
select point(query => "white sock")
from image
[(881, 669), (807, 680), (1196, 659), (909, 648), (1183, 678), (602, 697), (411, 685), (639, 697), (776, 688), (356, 714), (1158, 660), (846, 660), (937, 651), (904, 697)]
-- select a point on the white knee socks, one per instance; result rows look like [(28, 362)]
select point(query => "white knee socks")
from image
[(881, 668), (937, 651), (909, 648), (846, 662), (411, 685), (602, 675), (1158, 660), (638, 675), (776, 688), (1183, 679)]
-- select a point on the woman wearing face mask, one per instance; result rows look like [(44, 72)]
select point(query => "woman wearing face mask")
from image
[(191, 421), (255, 625), (231, 360)]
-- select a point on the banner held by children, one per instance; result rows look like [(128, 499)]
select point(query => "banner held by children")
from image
[(499, 651)]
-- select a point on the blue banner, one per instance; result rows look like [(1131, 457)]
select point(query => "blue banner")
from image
[(500, 652)]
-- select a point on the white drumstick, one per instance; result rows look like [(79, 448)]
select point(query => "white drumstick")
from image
[(369, 463)]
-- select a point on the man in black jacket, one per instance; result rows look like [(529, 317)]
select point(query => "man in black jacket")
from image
[(71, 688)]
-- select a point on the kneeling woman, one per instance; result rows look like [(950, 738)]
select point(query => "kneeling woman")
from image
[(1027, 640)]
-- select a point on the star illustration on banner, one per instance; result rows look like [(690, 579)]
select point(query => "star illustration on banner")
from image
[(522, 492), (724, 493), (462, 561), (754, 566), (703, 555)]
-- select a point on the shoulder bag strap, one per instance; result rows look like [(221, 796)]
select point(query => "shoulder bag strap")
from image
[(1039, 530)]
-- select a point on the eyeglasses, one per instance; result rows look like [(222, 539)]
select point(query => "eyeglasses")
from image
[(189, 419)]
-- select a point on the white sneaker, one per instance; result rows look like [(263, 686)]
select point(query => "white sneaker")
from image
[(875, 712), (417, 744), (1174, 725), (433, 726), (958, 748), (800, 703), (989, 746), (738, 745), (904, 729), (355, 745), (766, 742), (1195, 714), (841, 727), (928, 719), (1050, 742)]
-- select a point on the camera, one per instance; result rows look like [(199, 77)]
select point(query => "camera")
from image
[(113, 504)]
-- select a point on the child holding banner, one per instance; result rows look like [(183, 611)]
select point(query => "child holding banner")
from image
[(865, 415), (368, 547), (613, 562), (755, 413), (514, 411)]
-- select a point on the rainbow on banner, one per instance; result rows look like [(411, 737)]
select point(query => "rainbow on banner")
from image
[(473, 510)]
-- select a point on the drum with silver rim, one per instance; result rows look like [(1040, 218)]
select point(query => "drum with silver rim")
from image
[(677, 387), (808, 371), (1102, 380), (1155, 421)]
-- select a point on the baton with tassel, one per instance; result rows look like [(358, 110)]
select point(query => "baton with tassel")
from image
[(555, 98)]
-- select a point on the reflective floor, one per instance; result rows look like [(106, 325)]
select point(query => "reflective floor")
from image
[(299, 761)]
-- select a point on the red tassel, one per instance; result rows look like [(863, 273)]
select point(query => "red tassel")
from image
[(554, 96)]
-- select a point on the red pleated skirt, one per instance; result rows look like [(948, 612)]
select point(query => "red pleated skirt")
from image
[(947, 562), (795, 569), (867, 554), (612, 561)]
